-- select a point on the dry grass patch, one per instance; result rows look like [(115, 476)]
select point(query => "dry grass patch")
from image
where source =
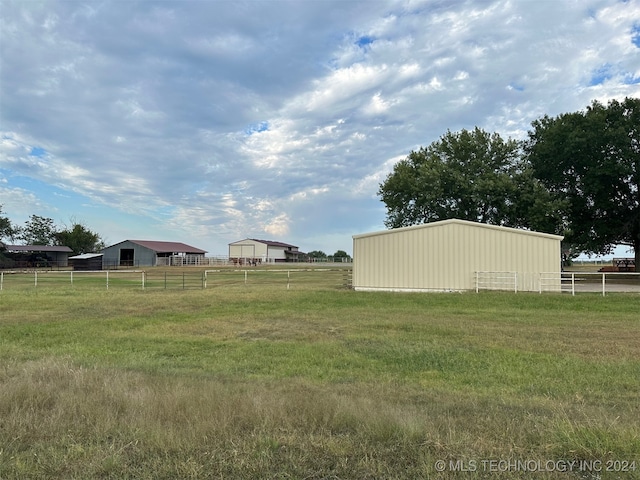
[(263, 383), (67, 421)]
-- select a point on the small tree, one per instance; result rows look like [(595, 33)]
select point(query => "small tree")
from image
[(7, 231), (341, 256), (38, 231), (317, 255)]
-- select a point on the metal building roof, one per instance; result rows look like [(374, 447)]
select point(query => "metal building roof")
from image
[(86, 256), (168, 247), (441, 223), (273, 243), (38, 248)]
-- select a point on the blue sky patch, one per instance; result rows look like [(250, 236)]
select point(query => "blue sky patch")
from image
[(38, 152), (364, 41), (516, 87), (635, 35), (601, 75), (256, 128), (631, 79)]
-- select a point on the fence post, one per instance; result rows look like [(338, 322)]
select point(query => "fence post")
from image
[(603, 283), (1, 279), (540, 282), (143, 274), (36, 278), (71, 277), (288, 278), (245, 277)]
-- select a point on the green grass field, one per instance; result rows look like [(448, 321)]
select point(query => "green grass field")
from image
[(317, 382)]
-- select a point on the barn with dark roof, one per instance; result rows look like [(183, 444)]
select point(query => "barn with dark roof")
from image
[(146, 253), (39, 255)]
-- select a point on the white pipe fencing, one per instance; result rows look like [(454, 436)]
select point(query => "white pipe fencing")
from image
[(312, 277), (53, 277), (497, 281), (565, 282)]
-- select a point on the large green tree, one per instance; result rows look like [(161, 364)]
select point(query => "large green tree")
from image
[(469, 175), (79, 239), (591, 160)]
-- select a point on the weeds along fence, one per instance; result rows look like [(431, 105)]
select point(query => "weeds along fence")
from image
[(288, 278), (565, 282), (184, 280)]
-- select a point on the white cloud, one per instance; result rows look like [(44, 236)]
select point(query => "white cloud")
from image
[(226, 119), (377, 105), (20, 202), (278, 226)]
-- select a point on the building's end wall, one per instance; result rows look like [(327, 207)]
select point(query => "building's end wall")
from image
[(446, 257)]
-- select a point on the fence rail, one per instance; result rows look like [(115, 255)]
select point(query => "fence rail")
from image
[(71, 278), (566, 282), (170, 279), (497, 281), (287, 278)]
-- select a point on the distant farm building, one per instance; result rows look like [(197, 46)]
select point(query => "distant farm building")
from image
[(456, 255), (33, 256), (252, 251), (621, 265), (86, 261), (148, 253)]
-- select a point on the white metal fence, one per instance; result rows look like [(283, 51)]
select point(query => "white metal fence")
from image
[(567, 282), (220, 260), (176, 279), (191, 260), (44, 278), (497, 281)]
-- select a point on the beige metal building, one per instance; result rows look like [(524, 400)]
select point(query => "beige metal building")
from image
[(456, 255), (254, 250)]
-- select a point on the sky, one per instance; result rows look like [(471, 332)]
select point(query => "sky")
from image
[(208, 122)]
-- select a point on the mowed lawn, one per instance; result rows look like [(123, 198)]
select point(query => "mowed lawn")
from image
[(257, 381)]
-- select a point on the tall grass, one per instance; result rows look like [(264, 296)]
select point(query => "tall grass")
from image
[(258, 381)]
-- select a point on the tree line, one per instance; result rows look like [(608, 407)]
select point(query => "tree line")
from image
[(577, 175), (338, 256), (43, 231)]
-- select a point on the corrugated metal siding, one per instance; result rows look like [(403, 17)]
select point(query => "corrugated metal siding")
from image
[(277, 253), (445, 256), (265, 249), (242, 251), (142, 256), (248, 248)]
